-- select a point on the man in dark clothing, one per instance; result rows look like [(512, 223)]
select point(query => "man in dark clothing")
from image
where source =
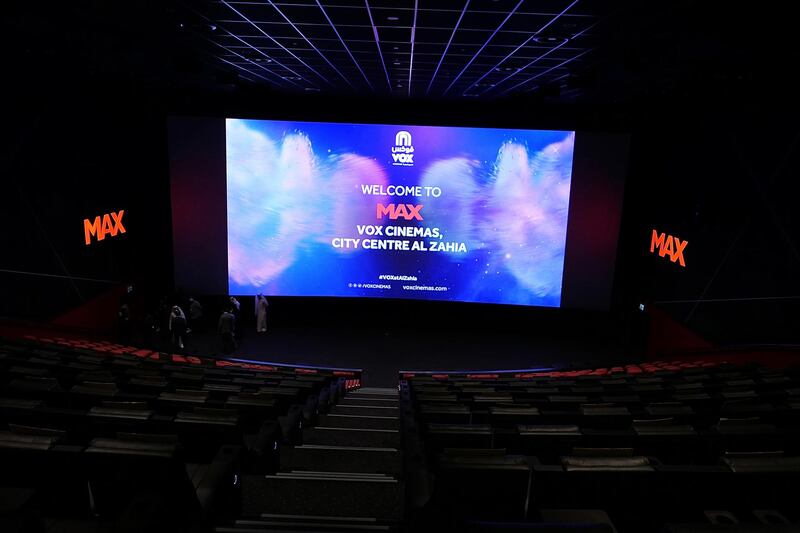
[(235, 308), (195, 315), (227, 328)]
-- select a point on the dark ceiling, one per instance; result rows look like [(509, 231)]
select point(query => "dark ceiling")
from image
[(459, 48), (594, 51)]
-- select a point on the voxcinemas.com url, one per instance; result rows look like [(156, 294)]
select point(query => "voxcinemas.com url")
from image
[(424, 288)]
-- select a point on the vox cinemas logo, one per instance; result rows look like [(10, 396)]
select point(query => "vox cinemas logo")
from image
[(403, 150), (109, 224)]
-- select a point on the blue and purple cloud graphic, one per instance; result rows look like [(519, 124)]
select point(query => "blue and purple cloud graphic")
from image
[(293, 187)]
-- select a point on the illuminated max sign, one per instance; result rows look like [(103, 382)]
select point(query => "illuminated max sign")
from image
[(108, 224), (395, 211), (668, 245)]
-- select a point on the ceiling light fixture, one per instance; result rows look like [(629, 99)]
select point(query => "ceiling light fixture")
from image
[(550, 39)]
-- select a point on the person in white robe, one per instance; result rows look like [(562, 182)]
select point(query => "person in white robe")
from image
[(177, 325)]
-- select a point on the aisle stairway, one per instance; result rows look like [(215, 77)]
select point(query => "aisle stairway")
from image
[(346, 474)]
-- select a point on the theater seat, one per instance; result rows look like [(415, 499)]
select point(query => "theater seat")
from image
[(558, 429), (27, 441), (122, 411), (731, 528), (603, 415), (55, 472), (91, 390), (445, 413), (209, 417), (548, 442), (597, 464), (442, 436), (128, 476), (763, 464), (565, 526), (18, 511), (511, 416), (482, 484)]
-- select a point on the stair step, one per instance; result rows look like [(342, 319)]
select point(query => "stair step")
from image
[(342, 459), (268, 523), (388, 391), (369, 398), (359, 422), (365, 410), (323, 496), (377, 438)]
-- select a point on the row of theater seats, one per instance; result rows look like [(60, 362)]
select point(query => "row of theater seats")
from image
[(657, 450), (99, 437)]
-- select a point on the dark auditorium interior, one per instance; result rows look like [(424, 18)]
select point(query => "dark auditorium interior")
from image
[(591, 198)]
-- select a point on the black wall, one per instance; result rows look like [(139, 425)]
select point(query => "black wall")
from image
[(75, 152), (718, 170)]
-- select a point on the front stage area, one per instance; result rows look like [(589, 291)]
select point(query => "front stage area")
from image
[(381, 354)]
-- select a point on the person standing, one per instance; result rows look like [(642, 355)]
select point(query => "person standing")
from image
[(195, 315), (261, 313), (124, 323), (177, 325), (150, 330), (227, 330), (163, 318), (235, 308)]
